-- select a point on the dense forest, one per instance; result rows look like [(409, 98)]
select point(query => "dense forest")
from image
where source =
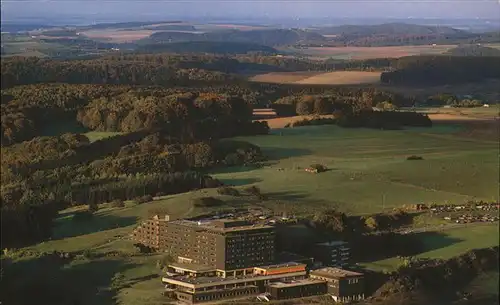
[(212, 47), (41, 176), (442, 70), (267, 37), (473, 50)]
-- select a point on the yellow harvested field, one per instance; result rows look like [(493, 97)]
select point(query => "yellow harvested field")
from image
[(372, 52), (283, 77), (342, 78), (275, 123), (455, 117), (315, 78), (117, 35)]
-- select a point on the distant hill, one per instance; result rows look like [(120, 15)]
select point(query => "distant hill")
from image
[(124, 25), (214, 47), (393, 34), (389, 29), (267, 37), (171, 27), (473, 50), (14, 27)]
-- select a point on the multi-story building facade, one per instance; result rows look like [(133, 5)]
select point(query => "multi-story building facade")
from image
[(149, 232), (232, 247), (332, 253)]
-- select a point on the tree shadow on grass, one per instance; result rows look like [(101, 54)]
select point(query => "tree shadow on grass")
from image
[(51, 280), (69, 227), (389, 245), (287, 196), (239, 182), (278, 153), (235, 169)]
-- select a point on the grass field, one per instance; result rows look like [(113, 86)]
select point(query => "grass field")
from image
[(119, 36), (98, 135), (368, 173), (451, 243), (455, 169), (319, 78)]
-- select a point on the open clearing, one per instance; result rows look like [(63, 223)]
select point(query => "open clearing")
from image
[(283, 77), (118, 35), (315, 78)]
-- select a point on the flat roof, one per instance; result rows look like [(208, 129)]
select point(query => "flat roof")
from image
[(281, 265), (302, 282), (220, 280), (334, 272), (192, 267), (215, 225)]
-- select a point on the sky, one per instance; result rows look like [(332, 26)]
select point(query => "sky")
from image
[(158, 9)]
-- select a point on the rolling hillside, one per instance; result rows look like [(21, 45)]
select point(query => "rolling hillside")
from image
[(473, 50), (213, 47), (271, 37)]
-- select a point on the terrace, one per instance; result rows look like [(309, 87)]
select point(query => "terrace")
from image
[(296, 283), (330, 272), (207, 281)]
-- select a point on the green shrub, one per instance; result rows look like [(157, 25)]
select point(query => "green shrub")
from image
[(117, 203), (143, 199), (314, 121), (413, 157), (207, 202), (226, 190), (255, 191), (93, 207), (319, 167), (83, 216)]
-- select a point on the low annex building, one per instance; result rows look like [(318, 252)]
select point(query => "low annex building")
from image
[(203, 285), (296, 289), (343, 285)]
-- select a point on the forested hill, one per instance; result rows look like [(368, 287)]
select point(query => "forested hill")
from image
[(212, 47), (390, 29), (268, 37), (392, 34), (442, 70), (20, 71), (473, 50)]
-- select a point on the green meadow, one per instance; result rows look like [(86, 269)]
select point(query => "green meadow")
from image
[(368, 173)]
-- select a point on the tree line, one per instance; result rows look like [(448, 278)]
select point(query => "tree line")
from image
[(26, 111), (441, 70), (21, 71)]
